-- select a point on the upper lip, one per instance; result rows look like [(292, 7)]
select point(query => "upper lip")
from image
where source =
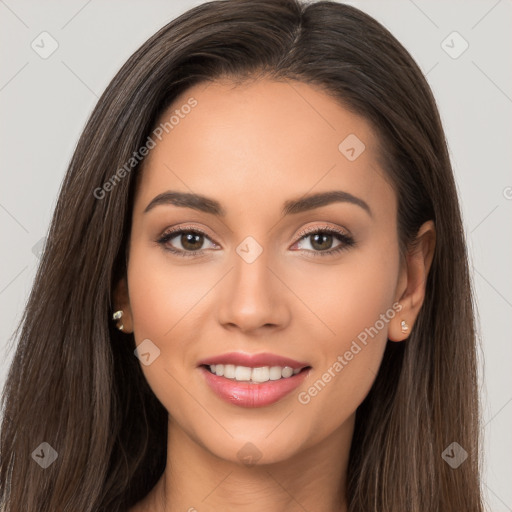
[(253, 360)]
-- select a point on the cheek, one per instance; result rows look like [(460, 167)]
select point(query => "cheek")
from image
[(355, 302), (169, 301), (162, 299), (350, 296), (161, 293)]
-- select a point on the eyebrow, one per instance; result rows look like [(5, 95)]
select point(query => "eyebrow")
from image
[(292, 206)]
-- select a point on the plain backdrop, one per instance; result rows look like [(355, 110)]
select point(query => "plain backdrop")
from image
[(45, 103)]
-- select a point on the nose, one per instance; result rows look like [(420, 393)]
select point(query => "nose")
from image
[(252, 297)]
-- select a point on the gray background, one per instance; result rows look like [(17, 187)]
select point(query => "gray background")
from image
[(45, 103)]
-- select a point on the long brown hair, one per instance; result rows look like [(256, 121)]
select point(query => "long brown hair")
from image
[(74, 382)]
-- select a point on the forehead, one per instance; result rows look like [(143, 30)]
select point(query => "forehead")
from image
[(261, 141)]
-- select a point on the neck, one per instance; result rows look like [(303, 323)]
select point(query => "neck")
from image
[(196, 480)]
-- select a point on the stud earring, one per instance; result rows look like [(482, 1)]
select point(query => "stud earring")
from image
[(117, 316), (405, 326)]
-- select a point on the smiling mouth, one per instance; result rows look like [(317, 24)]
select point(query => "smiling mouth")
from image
[(257, 375)]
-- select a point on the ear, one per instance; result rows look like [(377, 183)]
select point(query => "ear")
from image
[(122, 302), (413, 280)]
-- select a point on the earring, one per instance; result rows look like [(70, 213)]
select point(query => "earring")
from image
[(117, 316), (405, 326)]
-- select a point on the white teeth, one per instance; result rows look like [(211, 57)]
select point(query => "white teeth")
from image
[(243, 373), (287, 372), (276, 372), (260, 374), (229, 371)]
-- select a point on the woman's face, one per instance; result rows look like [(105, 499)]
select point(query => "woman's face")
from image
[(256, 283)]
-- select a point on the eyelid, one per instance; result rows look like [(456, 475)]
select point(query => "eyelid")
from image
[(179, 228), (314, 229)]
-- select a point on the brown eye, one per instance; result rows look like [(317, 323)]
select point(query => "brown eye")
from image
[(191, 241), (184, 242), (321, 241)]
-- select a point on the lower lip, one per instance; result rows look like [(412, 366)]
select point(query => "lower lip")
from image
[(245, 394)]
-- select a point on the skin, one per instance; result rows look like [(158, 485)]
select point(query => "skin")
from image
[(251, 147)]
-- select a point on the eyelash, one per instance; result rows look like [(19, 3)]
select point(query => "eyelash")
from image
[(346, 240)]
